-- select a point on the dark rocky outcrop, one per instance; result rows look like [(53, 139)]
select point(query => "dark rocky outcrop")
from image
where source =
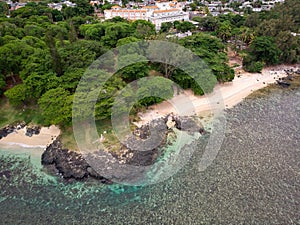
[(283, 83), (11, 128), (69, 164), (188, 123), (32, 130), (140, 149)]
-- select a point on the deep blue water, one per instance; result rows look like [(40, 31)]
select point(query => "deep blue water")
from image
[(255, 179)]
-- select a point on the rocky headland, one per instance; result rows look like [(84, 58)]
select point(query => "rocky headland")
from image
[(73, 165)]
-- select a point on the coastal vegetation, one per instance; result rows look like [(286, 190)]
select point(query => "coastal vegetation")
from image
[(45, 52)]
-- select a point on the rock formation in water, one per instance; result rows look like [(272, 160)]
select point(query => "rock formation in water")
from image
[(72, 165), (69, 164)]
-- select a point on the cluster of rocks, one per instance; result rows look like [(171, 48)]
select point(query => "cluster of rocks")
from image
[(150, 137), (69, 164), (11, 128), (292, 71), (32, 130), (286, 81), (186, 123), (158, 129)]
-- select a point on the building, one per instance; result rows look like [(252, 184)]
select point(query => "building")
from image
[(59, 5), (159, 13), (130, 14), (169, 15)]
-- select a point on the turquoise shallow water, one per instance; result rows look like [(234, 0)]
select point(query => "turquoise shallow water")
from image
[(254, 180)]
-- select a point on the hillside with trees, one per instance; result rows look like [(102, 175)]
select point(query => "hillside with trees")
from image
[(45, 52)]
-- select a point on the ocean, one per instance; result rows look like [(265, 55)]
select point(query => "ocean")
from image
[(255, 179)]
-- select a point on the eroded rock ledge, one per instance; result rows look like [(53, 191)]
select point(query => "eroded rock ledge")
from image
[(72, 165)]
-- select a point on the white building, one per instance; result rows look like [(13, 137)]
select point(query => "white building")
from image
[(59, 5), (169, 15), (130, 14), (160, 13)]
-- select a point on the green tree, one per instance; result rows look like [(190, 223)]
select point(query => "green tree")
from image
[(71, 78), (34, 30), (246, 35), (16, 94), (208, 23), (106, 97), (39, 62), (38, 84), (134, 71), (289, 46), (212, 51), (264, 49), (114, 32), (193, 6), (93, 31), (185, 26), (4, 8), (56, 59), (143, 29), (165, 27), (127, 40), (7, 28), (2, 84), (224, 30), (12, 56), (80, 54), (56, 106), (150, 89), (6, 39)]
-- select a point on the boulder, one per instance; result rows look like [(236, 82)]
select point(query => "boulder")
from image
[(283, 83), (32, 130), (188, 123), (69, 164)]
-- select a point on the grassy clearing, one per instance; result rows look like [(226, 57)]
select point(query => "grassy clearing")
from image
[(104, 127), (111, 142)]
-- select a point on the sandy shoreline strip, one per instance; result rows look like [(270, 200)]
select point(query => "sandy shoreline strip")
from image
[(18, 138), (227, 94)]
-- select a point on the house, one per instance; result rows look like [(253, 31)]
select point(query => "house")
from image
[(59, 5)]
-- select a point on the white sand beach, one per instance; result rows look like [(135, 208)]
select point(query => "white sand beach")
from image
[(224, 95), (44, 138)]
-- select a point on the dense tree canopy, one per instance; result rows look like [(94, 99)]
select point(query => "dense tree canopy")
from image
[(45, 52), (213, 52)]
